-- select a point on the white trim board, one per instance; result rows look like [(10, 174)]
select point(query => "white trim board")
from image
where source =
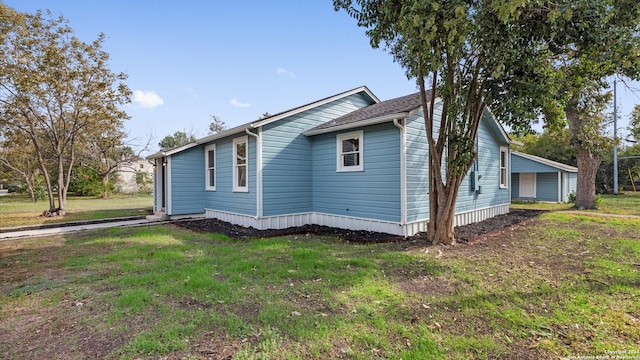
[(349, 222)]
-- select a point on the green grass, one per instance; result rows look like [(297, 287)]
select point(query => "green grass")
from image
[(18, 210), (564, 285), (625, 203)]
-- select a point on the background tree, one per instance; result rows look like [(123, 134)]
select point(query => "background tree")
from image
[(453, 45), (17, 156), (634, 123), (216, 125), (264, 115), (552, 145), (109, 152), (178, 138), (632, 163), (56, 90), (584, 43)]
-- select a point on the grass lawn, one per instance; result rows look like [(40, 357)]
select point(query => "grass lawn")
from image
[(562, 285), (18, 210), (625, 203)]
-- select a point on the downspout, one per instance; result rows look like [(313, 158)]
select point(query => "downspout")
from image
[(168, 203), (403, 177), (258, 137), (156, 206)]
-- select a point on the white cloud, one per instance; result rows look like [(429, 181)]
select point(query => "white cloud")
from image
[(235, 102), (147, 99), (283, 71)]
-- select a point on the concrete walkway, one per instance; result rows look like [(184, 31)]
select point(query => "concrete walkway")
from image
[(27, 232)]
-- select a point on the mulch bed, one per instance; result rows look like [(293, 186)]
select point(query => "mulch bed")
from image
[(463, 234)]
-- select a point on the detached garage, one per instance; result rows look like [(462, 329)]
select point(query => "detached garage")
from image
[(537, 178)]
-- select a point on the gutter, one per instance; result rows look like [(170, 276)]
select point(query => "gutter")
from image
[(403, 176)]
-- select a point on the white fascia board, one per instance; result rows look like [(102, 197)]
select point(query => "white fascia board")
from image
[(172, 151), (225, 133), (504, 134), (357, 124), (316, 104)]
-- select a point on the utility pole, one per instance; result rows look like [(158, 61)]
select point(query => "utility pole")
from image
[(615, 140)]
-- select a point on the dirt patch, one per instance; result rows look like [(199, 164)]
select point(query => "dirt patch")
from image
[(462, 233)]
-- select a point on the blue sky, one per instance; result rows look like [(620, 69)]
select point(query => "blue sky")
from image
[(188, 60)]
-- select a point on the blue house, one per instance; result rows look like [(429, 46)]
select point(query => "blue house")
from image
[(348, 161), (537, 178)]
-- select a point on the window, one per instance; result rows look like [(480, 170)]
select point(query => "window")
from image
[(349, 151), (210, 171), (504, 160), (240, 161)]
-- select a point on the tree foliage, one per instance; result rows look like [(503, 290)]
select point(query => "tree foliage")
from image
[(634, 123), (451, 45), (552, 145), (586, 42), (216, 125), (179, 138), (56, 90), (18, 156), (522, 59)]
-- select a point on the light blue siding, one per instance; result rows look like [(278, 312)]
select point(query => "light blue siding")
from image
[(522, 165), (224, 198), (287, 166), (515, 185), (573, 182), (187, 181), (417, 161), (373, 193), (547, 186), (488, 167), (546, 178)]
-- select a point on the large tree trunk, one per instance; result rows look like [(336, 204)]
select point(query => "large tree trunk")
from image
[(588, 164), (588, 159)]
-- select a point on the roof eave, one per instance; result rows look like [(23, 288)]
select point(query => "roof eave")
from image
[(225, 133), (172, 151), (361, 123)]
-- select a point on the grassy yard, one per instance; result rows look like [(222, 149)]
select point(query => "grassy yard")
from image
[(627, 203), (563, 285), (18, 210)]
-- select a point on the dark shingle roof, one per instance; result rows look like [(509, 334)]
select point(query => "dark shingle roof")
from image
[(403, 104)]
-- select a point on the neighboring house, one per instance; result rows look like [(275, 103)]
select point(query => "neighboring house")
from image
[(127, 173), (537, 178), (347, 161)]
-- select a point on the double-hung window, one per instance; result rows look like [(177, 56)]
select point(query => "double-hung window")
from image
[(210, 171), (349, 149), (240, 163), (504, 166)]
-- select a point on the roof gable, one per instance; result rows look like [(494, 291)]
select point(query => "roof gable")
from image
[(273, 118), (547, 162)]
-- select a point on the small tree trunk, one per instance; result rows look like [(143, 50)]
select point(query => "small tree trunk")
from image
[(443, 231), (105, 183), (588, 164)]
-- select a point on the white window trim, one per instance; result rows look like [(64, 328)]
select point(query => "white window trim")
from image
[(208, 148), (350, 135), (236, 141), (505, 150)]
